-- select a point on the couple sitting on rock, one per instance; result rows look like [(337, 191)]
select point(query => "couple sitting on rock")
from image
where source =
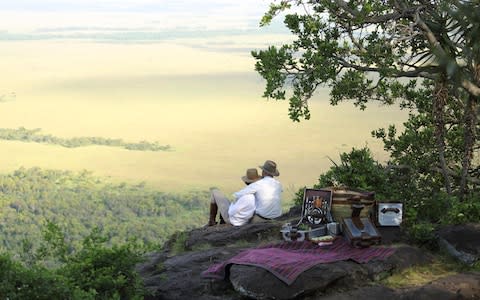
[(257, 202)]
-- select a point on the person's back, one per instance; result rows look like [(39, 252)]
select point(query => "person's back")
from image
[(268, 198)]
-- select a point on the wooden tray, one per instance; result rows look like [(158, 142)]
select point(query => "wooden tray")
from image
[(361, 237), (341, 203)]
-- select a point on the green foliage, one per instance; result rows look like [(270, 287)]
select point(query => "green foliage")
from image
[(79, 202), (363, 51), (422, 233), (178, 244), (332, 51), (415, 147), (357, 169), (109, 272), (18, 282), (298, 198), (33, 135), (55, 246), (273, 11), (461, 212), (269, 66), (79, 237), (341, 44), (414, 154), (95, 271), (303, 227)]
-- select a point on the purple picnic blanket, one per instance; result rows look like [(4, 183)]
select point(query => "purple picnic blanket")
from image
[(287, 260)]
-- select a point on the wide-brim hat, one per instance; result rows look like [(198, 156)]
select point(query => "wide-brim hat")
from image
[(251, 176), (270, 167)]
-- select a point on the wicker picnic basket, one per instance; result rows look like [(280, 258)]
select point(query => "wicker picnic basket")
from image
[(342, 200)]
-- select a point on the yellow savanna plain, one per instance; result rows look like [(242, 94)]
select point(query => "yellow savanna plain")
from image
[(206, 104)]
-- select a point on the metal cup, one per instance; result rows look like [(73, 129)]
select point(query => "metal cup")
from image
[(332, 228)]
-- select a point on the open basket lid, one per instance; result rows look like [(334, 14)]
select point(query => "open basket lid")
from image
[(316, 207)]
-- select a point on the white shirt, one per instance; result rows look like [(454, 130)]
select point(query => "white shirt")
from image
[(268, 192), (242, 210)]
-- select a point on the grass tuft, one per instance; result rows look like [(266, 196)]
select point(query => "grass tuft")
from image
[(420, 275), (178, 246)]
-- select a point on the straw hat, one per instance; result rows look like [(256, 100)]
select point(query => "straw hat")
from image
[(251, 176), (270, 167)]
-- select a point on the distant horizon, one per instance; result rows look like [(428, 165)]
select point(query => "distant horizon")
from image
[(132, 21)]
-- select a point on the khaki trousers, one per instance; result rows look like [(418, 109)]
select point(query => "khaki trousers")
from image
[(222, 202)]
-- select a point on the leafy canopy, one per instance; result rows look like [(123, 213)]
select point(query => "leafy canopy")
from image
[(361, 48)]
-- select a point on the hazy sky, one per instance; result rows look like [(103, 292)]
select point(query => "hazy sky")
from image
[(131, 5), (130, 20)]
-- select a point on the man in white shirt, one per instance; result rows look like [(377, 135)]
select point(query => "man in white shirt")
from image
[(237, 213), (267, 191)]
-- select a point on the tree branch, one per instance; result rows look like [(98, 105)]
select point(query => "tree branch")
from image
[(425, 72), (432, 40), (434, 169), (405, 13), (471, 87)]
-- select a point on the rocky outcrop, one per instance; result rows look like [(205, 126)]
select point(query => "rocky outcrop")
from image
[(173, 274), (461, 241), (459, 286)]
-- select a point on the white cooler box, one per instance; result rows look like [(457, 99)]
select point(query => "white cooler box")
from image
[(389, 214)]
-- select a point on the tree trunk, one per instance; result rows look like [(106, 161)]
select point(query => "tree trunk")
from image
[(439, 101), (469, 142), (469, 135)]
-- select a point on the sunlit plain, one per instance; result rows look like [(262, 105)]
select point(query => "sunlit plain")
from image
[(200, 97)]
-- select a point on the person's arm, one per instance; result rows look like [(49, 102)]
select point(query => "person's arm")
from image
[(249, 189)]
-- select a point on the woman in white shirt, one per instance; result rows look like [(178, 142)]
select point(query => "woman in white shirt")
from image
[(237, 213)]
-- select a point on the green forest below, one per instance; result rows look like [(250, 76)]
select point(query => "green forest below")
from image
[(79, 202), (33, 135), (71, 235)]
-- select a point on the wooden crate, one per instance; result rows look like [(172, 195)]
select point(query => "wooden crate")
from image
[(342, 200)]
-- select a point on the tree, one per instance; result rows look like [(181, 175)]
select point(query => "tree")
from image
[(381, 50)]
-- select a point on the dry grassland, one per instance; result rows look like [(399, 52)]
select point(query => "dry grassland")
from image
[(215, 120)]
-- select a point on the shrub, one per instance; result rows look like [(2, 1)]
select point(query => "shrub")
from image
[(463, 212), (107, 271), (95, 271), (357, 169), (423, 234), (19, 282), (298, 200)]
